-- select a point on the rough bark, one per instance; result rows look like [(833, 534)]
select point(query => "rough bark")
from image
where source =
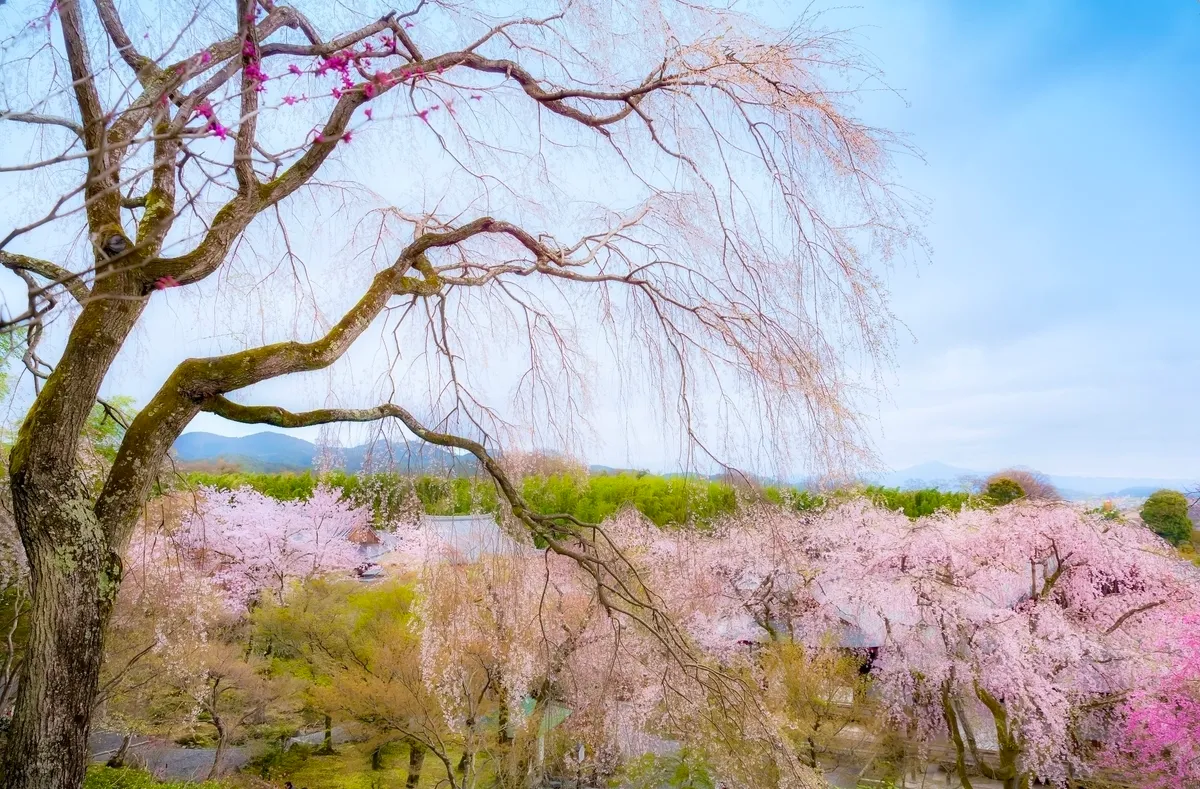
[(73, 579)]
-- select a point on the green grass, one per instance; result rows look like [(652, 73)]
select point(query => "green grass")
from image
[(99, 777), (350, 768)]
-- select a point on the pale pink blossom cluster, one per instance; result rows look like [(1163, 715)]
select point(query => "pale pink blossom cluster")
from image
[(1042, 610), (251, 544)]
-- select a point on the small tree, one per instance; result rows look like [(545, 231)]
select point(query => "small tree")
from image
[(1034, 485), (1166, 514), (1002, 490)]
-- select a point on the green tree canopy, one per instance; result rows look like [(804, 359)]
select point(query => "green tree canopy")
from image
[(1003, 490), (1166, 514)]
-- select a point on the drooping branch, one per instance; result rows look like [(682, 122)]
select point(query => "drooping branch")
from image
[(614, 593)]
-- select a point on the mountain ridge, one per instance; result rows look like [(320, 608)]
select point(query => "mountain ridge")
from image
[(268, 451)]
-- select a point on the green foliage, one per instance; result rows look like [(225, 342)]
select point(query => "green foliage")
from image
[(686, 770), (795, 499), (105, 430), (918, 503), (1166, 514), (127, 778), (664, 500), (1003, 491), (667, 501), (10, 348), (283, 487)]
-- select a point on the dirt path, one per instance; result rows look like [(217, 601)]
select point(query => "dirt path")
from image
[(165, 759)]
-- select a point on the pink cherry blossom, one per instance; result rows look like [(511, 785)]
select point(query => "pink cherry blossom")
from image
[(1041, 610), (250, 544)]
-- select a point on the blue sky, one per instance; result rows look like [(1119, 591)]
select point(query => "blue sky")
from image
[(1054, 325)]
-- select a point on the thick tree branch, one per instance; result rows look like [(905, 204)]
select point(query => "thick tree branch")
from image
[(44, 268), (1125, 617), (103, 203), (143, 67)]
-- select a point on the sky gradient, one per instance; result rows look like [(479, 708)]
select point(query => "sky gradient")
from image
[(1053, 325)]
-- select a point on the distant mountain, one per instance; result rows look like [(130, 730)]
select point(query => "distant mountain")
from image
[(269, 451), (925, 475), (941, 475), (266, 449)]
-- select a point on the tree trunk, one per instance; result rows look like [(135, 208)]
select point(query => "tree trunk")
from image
[(216, 766), (327, 742), (73, 580), (416, 760), (118, 758)]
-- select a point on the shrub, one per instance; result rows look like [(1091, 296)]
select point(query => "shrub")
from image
[(1166, 514), (1002, 490), (917, 503), (686, 770), (1034, 485)]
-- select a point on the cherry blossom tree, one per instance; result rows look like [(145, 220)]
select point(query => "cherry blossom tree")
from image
[(163, 619), (1009, 634), (183, 151), (1159, 742), (250, 543)]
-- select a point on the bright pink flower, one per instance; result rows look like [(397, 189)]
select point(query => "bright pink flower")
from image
[(162, 283), (295, 69), (289, 100), (346, 137), (217, 129), (368, 113)]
